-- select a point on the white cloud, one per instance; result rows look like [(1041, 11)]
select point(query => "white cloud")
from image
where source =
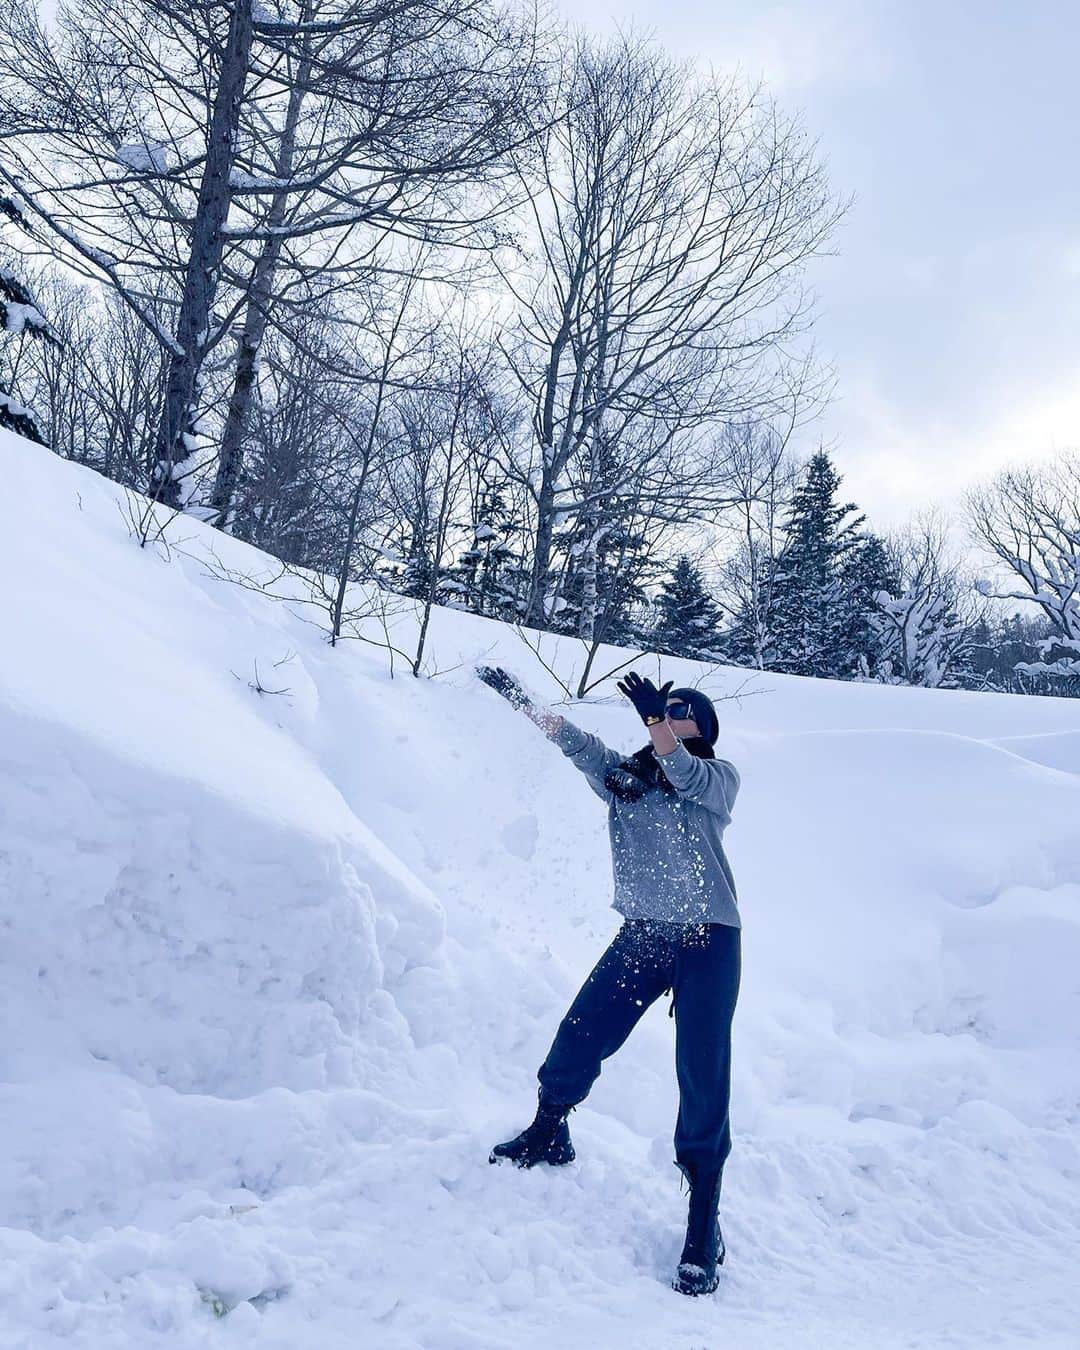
[(791, 47), (796, 47), (898, 460)]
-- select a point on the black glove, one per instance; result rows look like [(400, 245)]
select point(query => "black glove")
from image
[(650, 702), (505, 684)]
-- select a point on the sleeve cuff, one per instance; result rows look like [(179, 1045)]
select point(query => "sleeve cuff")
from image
[(570, 739), (678, 764)]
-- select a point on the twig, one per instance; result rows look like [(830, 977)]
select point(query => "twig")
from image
[(536, 652), (258, 687)]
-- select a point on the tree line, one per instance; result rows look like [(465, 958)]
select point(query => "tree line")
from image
[(451, 303), (824, 595)]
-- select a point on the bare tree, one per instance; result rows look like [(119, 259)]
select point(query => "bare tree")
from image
[(672, 222), (927, 630), (324, 435), (233, 150), (446, 430), (402, 360), (20, 318), (97, 388), (1028, 519), (760, 477), (306, 431), (397, 118)]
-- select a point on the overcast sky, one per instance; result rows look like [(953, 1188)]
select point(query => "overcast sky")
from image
[(952, 311)]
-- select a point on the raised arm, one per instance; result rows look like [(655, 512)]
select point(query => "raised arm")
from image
[(711, 783), (586, 752), (549, 723)]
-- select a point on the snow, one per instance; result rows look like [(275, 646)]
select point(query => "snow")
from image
[(145, 156), (277, 969), (18, 317), (241, 180), (12, 406)]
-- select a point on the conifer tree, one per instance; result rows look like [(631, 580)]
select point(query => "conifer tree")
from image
[(866, 573), (747, 641), (1005, 656), (489, 574), (810, 622), (688, 621)]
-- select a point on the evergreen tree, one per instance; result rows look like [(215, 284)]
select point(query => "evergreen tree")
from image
[(810, 621), (747, 641), (740, 643), (983, 661), (622, 571), (688, 621), (866, 572), (489, 577), (1006, 656), (418, 571), (1017, 641)]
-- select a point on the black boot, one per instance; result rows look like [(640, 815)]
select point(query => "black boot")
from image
[(546, 1140), (703, 1249)]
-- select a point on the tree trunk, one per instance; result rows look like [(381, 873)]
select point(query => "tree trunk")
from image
[(337, 610), (583, 683), (536, 611), (173, 445), (590, 584), (231, 453)]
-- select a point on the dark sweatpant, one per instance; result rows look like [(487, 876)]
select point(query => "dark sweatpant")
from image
[(701, 964)]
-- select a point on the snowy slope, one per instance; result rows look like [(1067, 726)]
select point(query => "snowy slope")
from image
[(277, 969)]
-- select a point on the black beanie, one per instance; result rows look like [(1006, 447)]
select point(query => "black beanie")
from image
[(704, 712)]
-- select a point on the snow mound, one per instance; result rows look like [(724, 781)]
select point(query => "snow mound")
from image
[(172, 935), (280, 968), (1058, 750)]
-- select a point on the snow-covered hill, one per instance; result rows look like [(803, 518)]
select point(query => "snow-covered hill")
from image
[(278, 968)]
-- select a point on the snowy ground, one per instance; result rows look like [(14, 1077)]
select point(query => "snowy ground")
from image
[(278, 969)]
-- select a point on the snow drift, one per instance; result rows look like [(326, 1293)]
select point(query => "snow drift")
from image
[(277, 968)]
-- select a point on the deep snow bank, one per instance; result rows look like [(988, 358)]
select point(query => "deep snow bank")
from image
[(277, 968)]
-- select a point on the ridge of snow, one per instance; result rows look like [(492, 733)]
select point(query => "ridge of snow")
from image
[(281, 968)]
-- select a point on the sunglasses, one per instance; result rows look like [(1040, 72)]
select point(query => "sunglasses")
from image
[(680, 712)]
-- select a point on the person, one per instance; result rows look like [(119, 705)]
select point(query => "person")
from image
[(668, 807)]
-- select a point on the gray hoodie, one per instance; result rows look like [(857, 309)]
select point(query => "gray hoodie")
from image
[(667, 850)]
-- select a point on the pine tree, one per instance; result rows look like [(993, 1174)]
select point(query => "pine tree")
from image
[(866, 572), (489, 575), (688, 623), (1023, 643), (418, 571), (747, 641), (810, 622)]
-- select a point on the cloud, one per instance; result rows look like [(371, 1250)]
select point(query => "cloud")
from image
[(795, 48), (791, 47), (898, 459)]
